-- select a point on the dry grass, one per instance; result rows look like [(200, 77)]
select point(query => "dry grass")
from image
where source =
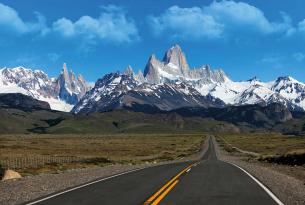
[(266, 143), (121, 148), (269, 147)]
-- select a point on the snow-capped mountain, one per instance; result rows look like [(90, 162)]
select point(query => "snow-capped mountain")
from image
[(71, 88), (61, 93), (216, 83), (165, 84), (284, 90), (174, 67), (171, 84), (115, 91)]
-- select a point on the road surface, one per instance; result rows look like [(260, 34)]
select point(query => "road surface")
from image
[(208, 181)]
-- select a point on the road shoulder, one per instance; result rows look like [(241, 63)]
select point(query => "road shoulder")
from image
[(290, 190)]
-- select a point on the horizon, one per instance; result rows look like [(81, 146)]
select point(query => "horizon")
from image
[(267, 41)]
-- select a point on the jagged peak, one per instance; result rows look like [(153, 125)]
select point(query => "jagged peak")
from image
[(152, 58), (139, 77), (140, 72), (254, 79), (64, 68), (129, 71), (176, 47), (286, 78), (23, 69), (176, 56), (80, 77)]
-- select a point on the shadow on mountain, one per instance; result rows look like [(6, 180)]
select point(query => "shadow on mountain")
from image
[(23, 114)]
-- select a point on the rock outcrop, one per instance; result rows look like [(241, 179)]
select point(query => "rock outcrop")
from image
[(11, 174)]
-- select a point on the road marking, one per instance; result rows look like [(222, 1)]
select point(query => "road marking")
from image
[(168, 184), (84, 185), (157, 201), (277, 200)]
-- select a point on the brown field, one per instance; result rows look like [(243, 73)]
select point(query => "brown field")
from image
[(267, 147), (33, 154), (265, 143)]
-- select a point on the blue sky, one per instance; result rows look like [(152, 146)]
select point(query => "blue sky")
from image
[(245, 38)]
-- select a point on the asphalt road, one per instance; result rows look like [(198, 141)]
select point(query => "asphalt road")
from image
[(208, 181)]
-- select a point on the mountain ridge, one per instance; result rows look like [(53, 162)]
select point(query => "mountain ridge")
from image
[(212, 85), (158, 86), (61, 92)]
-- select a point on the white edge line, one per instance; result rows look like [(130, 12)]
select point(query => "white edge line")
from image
[(277, 200), (84, 185)]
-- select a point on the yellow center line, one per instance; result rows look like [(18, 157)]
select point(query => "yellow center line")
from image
[(157, 201), (153, 197)]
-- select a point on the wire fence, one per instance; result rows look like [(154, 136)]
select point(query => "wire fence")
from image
[(38, 161)]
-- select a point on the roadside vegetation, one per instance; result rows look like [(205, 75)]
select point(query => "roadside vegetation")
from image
[(35, 154), (270, 147)]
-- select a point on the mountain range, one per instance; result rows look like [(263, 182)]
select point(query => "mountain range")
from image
[(62, 93), (165, 85)]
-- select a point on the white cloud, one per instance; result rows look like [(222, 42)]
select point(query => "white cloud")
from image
[(10, 21), (64, 26), (239, 15), (301, 26), (299, 56), (216, 20), (112, 25), (186, 22)]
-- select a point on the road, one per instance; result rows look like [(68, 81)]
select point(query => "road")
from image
[(208, 181)]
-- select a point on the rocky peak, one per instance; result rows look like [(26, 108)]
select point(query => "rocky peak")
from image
[(176, 57), (34, 82), (129, 71), (254, 79), (65, 73), (139, 77), (151, 71), (289, 87), (71, 88), (174, 67), (80, 78), (285, 79)]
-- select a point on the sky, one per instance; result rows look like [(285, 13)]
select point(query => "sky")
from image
[(246, 38)]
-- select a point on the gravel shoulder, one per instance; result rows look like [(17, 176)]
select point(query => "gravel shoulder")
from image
[(287, 183), (29, 188)]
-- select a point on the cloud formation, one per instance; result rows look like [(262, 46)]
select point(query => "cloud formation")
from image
[(10, 21), (186, 22), (217, 20), (112, 25), (299, 56), (301, 26)]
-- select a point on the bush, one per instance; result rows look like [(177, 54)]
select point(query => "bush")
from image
[(97, 160), (1, 171), (287, 159)]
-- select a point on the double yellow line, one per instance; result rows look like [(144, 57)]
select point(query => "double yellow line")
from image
[(161, 193)]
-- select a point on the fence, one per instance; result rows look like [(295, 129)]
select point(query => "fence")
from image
[(37, 161)]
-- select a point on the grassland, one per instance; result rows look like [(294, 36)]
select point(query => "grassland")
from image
[(271, 147), (94, 150)]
